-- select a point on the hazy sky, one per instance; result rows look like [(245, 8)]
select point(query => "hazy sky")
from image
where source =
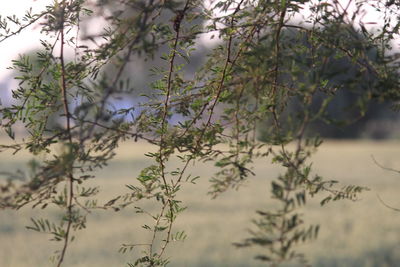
[(10, 48)]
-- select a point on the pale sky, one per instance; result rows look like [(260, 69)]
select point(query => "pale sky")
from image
[(10, 48)]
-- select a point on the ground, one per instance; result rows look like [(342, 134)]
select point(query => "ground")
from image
[(361, 233)]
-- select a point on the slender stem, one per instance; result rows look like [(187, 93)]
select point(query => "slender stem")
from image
[(228, 65), (23, 27), (155, 230), (177, 26), (69, 135), (276, 68)]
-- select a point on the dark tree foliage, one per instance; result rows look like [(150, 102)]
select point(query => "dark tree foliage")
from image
[(256, 75), (351, 111)]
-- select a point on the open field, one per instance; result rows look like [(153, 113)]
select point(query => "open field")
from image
[(362, 233)]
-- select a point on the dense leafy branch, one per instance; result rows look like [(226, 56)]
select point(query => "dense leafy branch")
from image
[(253, 96)]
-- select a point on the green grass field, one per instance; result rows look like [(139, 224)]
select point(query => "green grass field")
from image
[(362, 233)]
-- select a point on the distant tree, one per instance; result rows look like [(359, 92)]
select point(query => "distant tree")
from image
[(356, 102), (251, 77)]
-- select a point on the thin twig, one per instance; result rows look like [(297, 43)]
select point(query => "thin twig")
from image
[(68, 128), (177, 26), (386, 205), (383, 167), (225, 71), (24, 26)]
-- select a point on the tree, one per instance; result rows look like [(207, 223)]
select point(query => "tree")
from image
[(342, 119), (249, 78)]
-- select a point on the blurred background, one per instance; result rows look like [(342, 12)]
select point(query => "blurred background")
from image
[(361, 233)]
